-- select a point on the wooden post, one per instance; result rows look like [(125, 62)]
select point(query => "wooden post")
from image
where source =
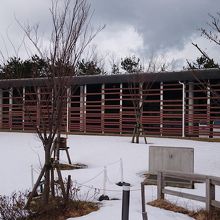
[(144, 213), (60, 180), (210, 194), (38, 105), (103, 109), (160, 185), (33, 192), (10, 107), (209, 109), (84, 108), (52, 182), (1, 107), (191, 109), (81, 101), (23, 108), (68, 100), (121, 103), (68, 156), (141, 108), (161, 109), (183, 107), (68, 188)]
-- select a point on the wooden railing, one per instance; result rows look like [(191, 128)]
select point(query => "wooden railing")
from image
[(210, 181), (208, 199)]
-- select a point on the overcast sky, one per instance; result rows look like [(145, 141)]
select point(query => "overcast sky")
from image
[(163, 28)]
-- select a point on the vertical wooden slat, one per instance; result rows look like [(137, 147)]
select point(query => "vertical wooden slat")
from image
[(10, 107), (38, 105), (210, 194), (191, 108), (84, 108), (121, 87), (23, 107), (81, 107), (68, 92), (103, 108), (1, 108), (161, 109), (208, 108), (160, 185)]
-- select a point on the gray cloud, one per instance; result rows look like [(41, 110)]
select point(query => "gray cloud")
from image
[(164, 24)]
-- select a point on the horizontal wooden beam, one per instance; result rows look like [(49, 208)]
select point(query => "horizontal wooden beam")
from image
[(184, 195)]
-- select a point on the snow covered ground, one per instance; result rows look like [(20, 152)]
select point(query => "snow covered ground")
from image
[(19, 151)]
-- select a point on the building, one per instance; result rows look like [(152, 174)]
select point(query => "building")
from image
[(185, 103)]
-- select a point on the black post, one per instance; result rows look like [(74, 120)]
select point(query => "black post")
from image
[(125, 201), (68, 188), (144, 213)]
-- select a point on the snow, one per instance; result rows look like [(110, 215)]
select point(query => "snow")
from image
[(21, 150)]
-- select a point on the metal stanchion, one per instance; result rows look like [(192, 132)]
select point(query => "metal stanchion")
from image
[(125, 201), (121, 183), (144, 213), (104, 196)]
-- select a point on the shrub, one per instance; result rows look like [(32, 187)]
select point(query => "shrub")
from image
[(12, 207)]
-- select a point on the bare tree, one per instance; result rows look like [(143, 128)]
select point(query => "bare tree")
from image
[(139, 86), (71, 34), (211, 33), (114, 63)]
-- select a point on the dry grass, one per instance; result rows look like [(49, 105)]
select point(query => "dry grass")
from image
[(57, 211), (13, 207), (72, 166), (198, 215)]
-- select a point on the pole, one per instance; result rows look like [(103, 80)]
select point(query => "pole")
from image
[(161, 109), (144, 213), (125, 201), (68, 92), (122, 172), (32, 176), (104, 196), (183, 110), (68, 188), (104, 181)]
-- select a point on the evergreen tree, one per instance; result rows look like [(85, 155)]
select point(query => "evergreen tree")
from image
[(15, 68), (131, 64), (88, 68), (115, 69), (202, 63)]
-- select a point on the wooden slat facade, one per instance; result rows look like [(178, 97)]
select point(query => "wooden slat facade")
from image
[(106, 107)]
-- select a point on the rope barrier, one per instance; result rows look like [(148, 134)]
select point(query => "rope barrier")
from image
[(106, 178), (93, 177), (97, 188)]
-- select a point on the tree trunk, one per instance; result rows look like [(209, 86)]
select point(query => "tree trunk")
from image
[(48, 167), (35, 187)]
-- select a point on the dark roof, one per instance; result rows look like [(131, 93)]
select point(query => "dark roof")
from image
[(186, 75)]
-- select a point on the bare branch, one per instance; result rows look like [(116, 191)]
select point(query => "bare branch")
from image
[(70, 35), (202, 52)]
